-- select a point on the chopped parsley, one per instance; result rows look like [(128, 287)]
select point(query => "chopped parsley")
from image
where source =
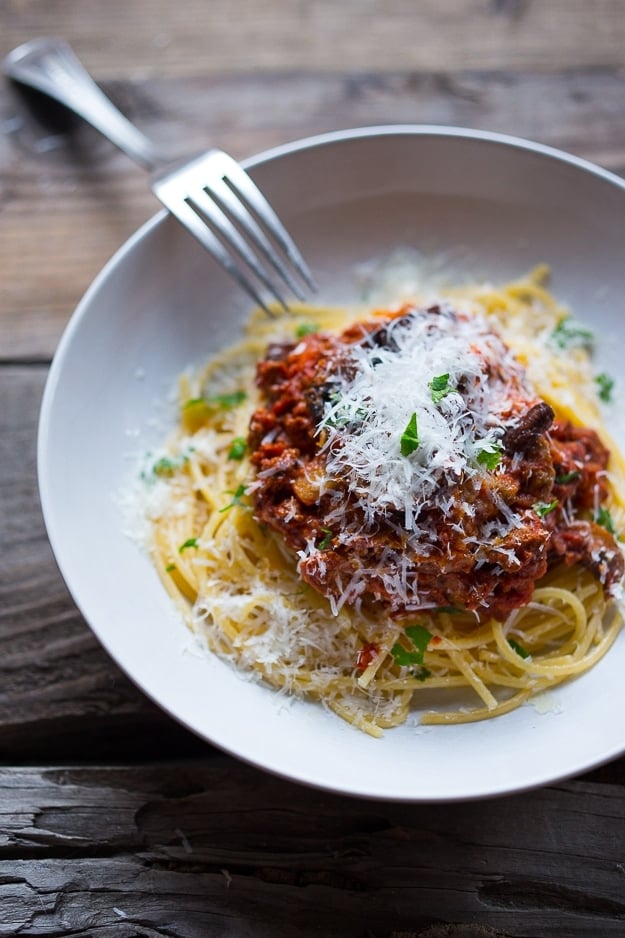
[(405, 658), (237, 448), (170, 567), (304, 329), (605, 386), (326, 541), (190, 542), (236, 498), (543, 508), (419, 636), (227, 401), (569, 334), (440, 387), (515, 646), (410, 437), (420, 674), (490, 456), (166, 466), (604, 518), (420, 639), (224, 401), (567, 477)]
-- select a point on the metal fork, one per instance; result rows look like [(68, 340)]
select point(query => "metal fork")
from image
[(210, 194)]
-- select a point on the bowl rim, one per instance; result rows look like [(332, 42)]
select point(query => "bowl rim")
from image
[(294, 146), (434, 130), (55, 374)]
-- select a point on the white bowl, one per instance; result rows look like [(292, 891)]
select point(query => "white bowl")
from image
[(496, 206)]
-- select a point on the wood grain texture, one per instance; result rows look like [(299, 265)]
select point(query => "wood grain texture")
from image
[(197, 849), (190, 849), (59, 690), (67, 203), (161, 38)]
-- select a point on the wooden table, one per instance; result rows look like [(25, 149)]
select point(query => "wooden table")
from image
[(115, 821)]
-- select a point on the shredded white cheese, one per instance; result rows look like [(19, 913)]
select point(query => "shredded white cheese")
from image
[(385, 386)]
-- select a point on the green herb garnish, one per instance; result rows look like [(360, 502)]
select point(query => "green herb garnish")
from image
[(170, 567), (227, 401), (439, 387), (166, 466), (304, 329), (236, 498), (490, 456), (410, 437), (325, 543), (569, 333), (605, 385), (604, 518), (567, 477), (404, 658), (543, 508), (224, 401), (190, 542), (237, 448), (420, 638), (515, 646)]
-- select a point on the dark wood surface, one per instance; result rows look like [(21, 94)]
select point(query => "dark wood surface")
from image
[(113, 819)]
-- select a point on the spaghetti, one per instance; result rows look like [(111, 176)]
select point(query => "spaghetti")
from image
[(239, 565)]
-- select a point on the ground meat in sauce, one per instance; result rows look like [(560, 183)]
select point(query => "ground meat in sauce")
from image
[(543, 460)]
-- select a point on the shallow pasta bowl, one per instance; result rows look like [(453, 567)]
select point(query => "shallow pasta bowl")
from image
[(481, 205)]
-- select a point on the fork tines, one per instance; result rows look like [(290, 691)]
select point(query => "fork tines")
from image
[(219, 203)]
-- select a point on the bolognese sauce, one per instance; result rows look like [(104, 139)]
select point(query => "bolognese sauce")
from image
[(407, 461)]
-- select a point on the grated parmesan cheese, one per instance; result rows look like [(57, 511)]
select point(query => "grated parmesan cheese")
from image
[(381, 390)]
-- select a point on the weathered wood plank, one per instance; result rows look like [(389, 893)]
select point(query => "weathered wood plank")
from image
[(55, 679), (234, 35), (216, 848), (221, 849), (66, 205)]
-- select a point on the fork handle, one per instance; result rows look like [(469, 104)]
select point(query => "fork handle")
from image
[(50, 65)]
